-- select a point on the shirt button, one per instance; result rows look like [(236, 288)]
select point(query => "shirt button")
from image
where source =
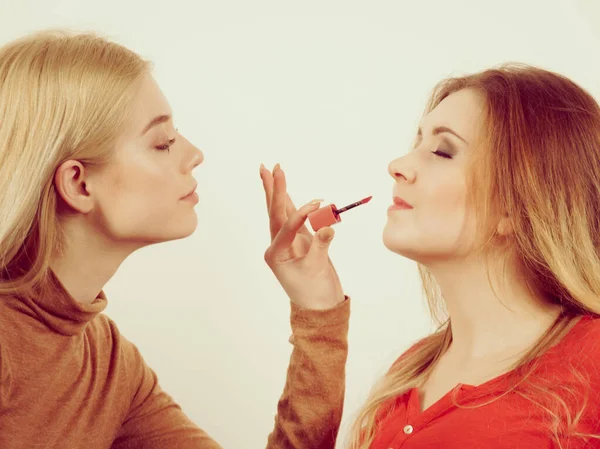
[(408, 429)]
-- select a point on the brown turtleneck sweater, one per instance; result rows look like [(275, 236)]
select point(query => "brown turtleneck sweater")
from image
[(69, 380)]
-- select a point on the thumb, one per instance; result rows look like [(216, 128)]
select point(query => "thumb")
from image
[(322, 240)]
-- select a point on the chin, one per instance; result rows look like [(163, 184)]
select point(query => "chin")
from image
[(402, 244), (187, 228), (394, 239), (177, 231)]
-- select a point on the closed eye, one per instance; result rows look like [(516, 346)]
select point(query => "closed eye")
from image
[(166, 146), (442, 154)]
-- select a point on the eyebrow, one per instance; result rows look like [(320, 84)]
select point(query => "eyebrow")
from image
[(443, 129), (156, 121)]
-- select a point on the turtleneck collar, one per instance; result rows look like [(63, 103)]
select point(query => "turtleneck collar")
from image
[(56, 308)]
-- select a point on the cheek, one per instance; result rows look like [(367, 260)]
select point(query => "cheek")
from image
[(446, 193), (444, 205), (142, 181), (441, 224), (148, 193), (138, 196)]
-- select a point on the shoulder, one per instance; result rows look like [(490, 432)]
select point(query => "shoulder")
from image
[(576, 363), (107, 329), (575, 359), (106, 335), (583, 340), (131, 363)]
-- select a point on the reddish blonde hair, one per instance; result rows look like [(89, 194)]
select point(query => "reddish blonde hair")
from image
[(537, 160)]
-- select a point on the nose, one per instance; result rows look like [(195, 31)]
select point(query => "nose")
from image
[(198, 157), (401, 170), (193, 156)]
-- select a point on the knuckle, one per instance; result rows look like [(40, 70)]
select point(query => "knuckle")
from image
[(288, 224), (268, 255)]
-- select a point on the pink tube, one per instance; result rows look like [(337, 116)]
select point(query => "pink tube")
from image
[(325, 216)]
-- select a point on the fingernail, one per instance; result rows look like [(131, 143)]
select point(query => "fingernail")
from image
[(262, 167), (277, 167), (316, 201)]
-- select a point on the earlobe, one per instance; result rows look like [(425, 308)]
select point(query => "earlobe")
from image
[(69, 180), (505, 227)]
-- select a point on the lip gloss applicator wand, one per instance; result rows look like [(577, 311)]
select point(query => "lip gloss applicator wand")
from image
[(329, 215)]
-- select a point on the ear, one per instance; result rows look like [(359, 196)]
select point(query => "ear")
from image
[(505, 226), (70, 183)]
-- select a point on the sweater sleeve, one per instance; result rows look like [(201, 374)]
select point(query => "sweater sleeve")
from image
[(309, 410), (5, 379)]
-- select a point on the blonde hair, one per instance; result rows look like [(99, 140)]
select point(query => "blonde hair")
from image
[(63, 96), (540, 162)]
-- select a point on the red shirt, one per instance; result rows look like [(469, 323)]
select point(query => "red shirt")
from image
[(511, 421)]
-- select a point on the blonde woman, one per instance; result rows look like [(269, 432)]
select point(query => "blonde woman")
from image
[(91, 170)]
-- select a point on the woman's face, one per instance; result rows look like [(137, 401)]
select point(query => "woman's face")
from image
[(433, 220), (141, 196)]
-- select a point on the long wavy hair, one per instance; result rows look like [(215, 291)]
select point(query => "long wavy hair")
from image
[(63, 96), (538, 159)]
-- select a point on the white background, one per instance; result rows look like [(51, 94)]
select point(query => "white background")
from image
[(333, 91)]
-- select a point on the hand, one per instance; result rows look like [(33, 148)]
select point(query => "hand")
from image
[(299, 260)]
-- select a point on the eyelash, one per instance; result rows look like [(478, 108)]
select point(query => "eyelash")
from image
[(442, 154), (167, 146)]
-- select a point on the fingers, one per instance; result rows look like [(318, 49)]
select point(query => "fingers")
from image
[(277, 212), (324, 236), (291, 210), (287, 234), (267, 181), (275, 195), (319, 248), (279, 204)]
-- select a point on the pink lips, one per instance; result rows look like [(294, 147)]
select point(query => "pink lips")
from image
[(191, 195), (399, 204)]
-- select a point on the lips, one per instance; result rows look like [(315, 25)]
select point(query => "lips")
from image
[(401, 204), (191, 191)]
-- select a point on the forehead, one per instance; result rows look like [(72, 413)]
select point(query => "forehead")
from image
[(461, 111), (148, 103)]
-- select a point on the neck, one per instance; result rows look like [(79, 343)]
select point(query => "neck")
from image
[(490, 307), (88, 261)]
